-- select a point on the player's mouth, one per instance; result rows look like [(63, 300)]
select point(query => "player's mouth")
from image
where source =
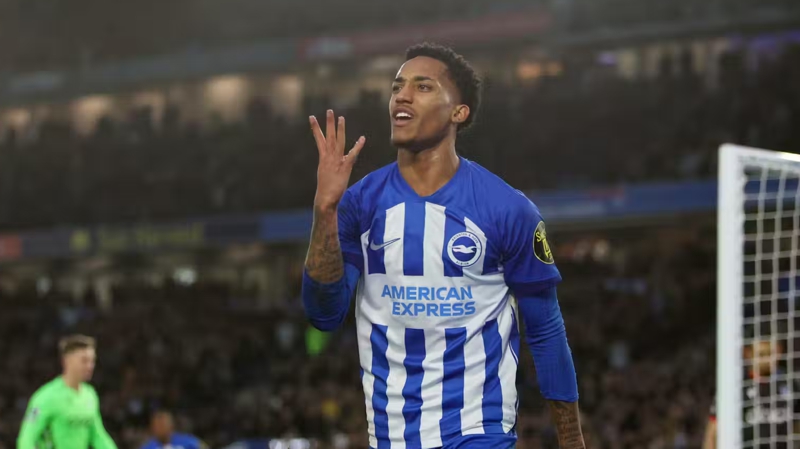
[(402, 117)]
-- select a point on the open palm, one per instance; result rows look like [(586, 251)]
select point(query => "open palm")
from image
[(333, 172)]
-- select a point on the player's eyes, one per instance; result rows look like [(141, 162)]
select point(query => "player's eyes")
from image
[(396, 88), (424, 87)]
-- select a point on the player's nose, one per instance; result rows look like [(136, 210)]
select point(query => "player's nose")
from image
[(404, 95)]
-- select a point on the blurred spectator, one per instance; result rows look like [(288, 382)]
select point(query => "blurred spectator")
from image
[(228, 371), (49, 34), (571, 131)]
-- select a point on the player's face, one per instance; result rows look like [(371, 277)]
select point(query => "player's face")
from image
[(424, 104), (81, 363), (764, 357), (162, 426)]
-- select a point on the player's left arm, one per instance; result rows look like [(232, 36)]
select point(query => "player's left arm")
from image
[(547, 339), (100, 439), (531, 274)]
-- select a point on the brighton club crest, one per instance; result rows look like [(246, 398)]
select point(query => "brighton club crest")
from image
[(464, 249)]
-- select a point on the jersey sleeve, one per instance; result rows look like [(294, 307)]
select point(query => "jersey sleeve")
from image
[(37, 419), (528, 263), (547, 340), (100, 439), (349, 235)]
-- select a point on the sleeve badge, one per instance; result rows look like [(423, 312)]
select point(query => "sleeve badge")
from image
[(541, 248)]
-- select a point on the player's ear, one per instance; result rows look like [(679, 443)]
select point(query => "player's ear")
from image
[(460, 114)]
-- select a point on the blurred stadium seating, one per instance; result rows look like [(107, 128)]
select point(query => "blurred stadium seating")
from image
[(637, 315), (50, 34), (570, 131)]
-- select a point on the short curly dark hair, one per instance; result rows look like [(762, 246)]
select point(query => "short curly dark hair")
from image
[(461, 72)]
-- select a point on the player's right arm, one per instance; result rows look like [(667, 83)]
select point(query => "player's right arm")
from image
[(37, 419), (710, 440), (328, 281)]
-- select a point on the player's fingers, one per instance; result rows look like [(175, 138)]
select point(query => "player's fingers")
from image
[(340, 139), (330, 131), (356, 150), (317, 132)]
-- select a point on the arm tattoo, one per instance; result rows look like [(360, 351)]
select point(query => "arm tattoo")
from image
[(324, 259), (567, 420)]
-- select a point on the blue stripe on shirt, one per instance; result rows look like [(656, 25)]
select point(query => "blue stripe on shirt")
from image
[(514, 338), (492, 389), (412, 390), (413, 237), (453, 382), (380, 368), (375, 258)]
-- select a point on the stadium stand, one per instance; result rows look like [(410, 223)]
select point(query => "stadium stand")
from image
[(618, 131), (53, 35), (637, 315), (233, 366)]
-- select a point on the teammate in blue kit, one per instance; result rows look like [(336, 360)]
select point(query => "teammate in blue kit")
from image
[(162, 425), (442, 256)]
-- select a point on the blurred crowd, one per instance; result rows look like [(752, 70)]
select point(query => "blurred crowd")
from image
[(585, 127), (54, 35), (638, 311), (638, 308), (587, 15), (49, 34)]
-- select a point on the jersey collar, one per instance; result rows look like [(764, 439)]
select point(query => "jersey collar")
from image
[(443, 192)]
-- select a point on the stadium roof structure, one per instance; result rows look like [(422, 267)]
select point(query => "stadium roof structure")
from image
[(50, 34), (55, 50)]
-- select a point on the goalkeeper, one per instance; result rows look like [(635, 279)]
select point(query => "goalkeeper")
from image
[(65, 412), (770, 400)]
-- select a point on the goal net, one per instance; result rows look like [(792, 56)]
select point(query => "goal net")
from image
[(758, 300)]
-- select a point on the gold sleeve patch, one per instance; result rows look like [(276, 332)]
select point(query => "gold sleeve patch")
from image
[(540, 246)]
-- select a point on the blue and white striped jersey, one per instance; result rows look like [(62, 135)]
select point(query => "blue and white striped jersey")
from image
[(436, 321)]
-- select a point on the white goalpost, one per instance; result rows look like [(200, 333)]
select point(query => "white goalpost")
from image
[(758, 306)]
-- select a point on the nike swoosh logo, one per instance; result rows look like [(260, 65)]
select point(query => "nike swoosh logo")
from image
[(375, 247)]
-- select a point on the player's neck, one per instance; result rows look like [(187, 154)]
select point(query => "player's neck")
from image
[(71, 382), (429, 170)]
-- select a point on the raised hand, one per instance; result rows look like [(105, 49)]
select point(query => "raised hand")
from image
[(333, 172)]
